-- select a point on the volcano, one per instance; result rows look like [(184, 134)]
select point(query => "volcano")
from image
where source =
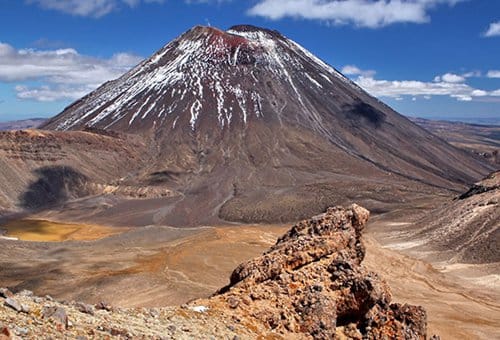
[(247, 125)]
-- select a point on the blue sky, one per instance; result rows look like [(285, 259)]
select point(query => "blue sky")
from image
[(427, 58)]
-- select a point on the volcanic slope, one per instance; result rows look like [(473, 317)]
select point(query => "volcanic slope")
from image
[(465, 230), (42, 169), (248, 115)]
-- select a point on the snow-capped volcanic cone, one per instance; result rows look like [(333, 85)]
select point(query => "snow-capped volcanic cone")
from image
[(208, 78), (247, 124)]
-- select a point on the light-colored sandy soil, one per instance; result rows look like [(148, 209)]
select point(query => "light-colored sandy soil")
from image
[(49, 231), (456, 308)]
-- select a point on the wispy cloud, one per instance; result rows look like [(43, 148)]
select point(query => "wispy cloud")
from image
[(50, 93), (472, 74), (363, 13), (493, 74), (493, 30), (100, 8), (448, 84), (63, 73), (88, 8), (48, 44), (352, 70), (450, 78)]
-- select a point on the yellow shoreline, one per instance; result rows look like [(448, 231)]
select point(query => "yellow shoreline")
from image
[(48, 231)]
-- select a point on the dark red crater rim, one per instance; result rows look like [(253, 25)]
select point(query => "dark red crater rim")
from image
[(251, 28), (228, 39)]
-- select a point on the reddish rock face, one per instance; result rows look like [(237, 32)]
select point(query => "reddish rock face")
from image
[(312, 283), (223, 38)]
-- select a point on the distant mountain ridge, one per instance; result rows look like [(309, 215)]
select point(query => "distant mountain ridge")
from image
[(481, 140), (31, 123), (486, 121)]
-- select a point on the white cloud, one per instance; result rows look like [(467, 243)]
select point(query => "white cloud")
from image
[(462, 97), (450, 78), (354, 70), (449, 84), (493, 74), (363, 13), (479, 93), (472, 74), (63, 73), (493, 30), (396, 89), (90, 8), (46, 93)]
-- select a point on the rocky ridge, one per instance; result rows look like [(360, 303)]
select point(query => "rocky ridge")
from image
[(310, 284), (44, 168), (465, 230), (490, 183)]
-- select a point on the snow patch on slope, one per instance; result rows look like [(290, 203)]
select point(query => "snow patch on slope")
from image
[(201, 72)]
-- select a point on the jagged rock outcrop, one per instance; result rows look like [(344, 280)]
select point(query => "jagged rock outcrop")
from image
[(490, 183), (312, 283)]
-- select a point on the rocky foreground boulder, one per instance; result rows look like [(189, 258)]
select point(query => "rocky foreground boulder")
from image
[(310, 284)]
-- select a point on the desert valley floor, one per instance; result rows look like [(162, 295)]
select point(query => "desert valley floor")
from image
[(163, 266)]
